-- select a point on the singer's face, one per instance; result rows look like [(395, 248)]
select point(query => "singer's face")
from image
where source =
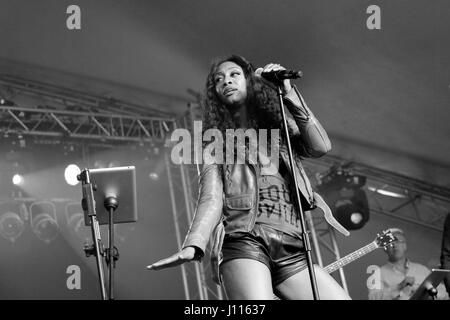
[(231, 85)]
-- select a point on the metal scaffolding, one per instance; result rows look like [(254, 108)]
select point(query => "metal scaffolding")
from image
[(29, 107), (61, 98), (32, 108), (205, 288), (197, 277), (83, 125), (391, 194)]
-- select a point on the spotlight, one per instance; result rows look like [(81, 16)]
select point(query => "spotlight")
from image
[(387, 192), (353, 212), (17, 179), (23, 210), (7, 103), (75, 221), (347, 200), (70, 174), (43, 220), (17, 168), (11, 226), (154, 176)]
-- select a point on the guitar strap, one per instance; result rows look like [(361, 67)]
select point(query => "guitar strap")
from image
[(328, 215)]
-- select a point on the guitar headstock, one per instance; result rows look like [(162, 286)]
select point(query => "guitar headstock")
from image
[(385, 239)]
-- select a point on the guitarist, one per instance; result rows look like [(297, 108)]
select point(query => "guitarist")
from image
[(400, 277)]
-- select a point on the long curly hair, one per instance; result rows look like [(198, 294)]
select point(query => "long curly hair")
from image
[(262, 101)]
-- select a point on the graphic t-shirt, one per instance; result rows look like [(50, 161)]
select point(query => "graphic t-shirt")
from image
[(276, 205)]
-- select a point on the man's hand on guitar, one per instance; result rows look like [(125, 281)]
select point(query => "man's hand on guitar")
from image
[(408, 281), (185, 255)]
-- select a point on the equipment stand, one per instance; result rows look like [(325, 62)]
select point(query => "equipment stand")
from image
[(305, 236), (427, 289), (111, 205), (96, 249), (105, 186)]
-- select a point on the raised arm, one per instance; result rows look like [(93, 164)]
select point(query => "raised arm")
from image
[(310, 138)]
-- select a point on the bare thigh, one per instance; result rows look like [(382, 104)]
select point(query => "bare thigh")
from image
[(246, 279), (298, 287)]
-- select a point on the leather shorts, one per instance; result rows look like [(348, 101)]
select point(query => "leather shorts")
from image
[(282, 253)]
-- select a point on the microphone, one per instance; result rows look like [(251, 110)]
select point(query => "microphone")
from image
[(279, 75)]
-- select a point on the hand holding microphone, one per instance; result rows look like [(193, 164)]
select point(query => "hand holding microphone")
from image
[(279, 75)]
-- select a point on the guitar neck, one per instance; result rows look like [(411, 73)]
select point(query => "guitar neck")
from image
[(351, 257)]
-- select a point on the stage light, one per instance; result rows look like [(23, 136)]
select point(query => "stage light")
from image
[(353, 212), (17, 179), (70, 174), (43, 220), (388, 193), (23, 211), (153, 176), (11, 226), (78, 227), (75, 221), (343, 192), (12, 219), (7, 103)]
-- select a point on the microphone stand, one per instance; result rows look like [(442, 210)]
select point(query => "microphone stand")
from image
[(111, 204), (88, 205), (305, 236), (431, 290)]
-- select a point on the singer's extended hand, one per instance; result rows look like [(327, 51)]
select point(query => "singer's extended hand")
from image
[(185, 255)]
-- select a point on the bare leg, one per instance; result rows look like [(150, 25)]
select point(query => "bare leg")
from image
[(298, 287), (246, 279)]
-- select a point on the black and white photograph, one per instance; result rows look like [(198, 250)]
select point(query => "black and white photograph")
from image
[(250, 151)]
